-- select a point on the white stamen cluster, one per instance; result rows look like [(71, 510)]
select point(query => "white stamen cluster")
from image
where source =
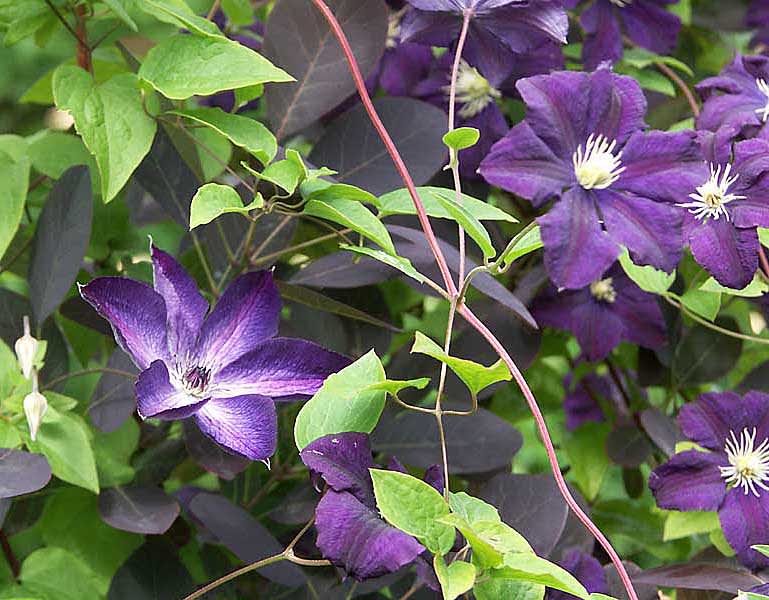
[(712, 196), (474, 92), (597, 167), (603, 290), (394, 28), (748, 464), (763, 87)]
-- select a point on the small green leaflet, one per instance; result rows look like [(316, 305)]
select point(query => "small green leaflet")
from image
[(213, 200), (455, 579), (530, 242), (469, 223), (461, 138), (399, 202), (14, 173), (524, 566), (757, 287), (679, 525), (647, 278), (176, 12), (352, 214), (705, 304), (397, 262)]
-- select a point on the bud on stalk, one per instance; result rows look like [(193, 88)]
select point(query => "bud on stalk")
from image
[(35, 407), (26, 349)]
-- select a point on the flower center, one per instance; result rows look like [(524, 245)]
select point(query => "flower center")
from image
[(713, 195), (195, 380), (597, 167), (394, 28), (621, 3), (748, 465), (474, 92), (603, 290), (763, 87)]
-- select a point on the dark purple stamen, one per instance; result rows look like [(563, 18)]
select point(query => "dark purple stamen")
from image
[(196, 379)]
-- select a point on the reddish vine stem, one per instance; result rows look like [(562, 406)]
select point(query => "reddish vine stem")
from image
[(681, 84), (10, 557), (83, 50), (764, 261), (463, 309)]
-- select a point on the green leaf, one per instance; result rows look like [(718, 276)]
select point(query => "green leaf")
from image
[(246, 94), (176, 12), (65, 441), (113, 453), (469, 223), (586, 449), (182, 66), (414, 507), (597, 596), (53, 152), (286, 174), (354, 215), (763, 549), (14, 174), (56, 574), (529, 243), (397, 262), (490, 540), (394, 387), (213, 200), (475, 376), (345, 191), (684, 524), (756, 288), (523, 566), (461, 138), (647, 278), (239, 12), (472, 509), (718, 539), (343, 402), (116, 6), (399, 202), (494, 587), (641, 58), (111, 120), (455, 579), (246, 133), (705, 304)]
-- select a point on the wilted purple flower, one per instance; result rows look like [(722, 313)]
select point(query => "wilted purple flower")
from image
[(351, 533), (498, 29), (731, 477), (587, 570), (582, 144), (647, 23), (729, 203), (610, 310), (224, 368), (738, 97)]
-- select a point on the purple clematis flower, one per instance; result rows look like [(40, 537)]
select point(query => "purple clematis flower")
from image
[(610, 310), (758, 18), (738, 97), (646, 22), (351, 533), (731, 477), (580, 404), (498, 29), (582, 143), (587, 570), (727, 206), (224, 368)]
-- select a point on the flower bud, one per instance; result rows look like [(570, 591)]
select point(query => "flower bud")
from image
[(26, 350), (35, 407)]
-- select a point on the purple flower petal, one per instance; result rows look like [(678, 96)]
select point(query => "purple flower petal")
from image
[(278, 367), (745, 522), (352, 536), (246, 314), (690, 480), (751, 163), (709, 421), (640, 312), (729, 253), (757, 409), (580, 404), (587, 570), (185, 306), (247, 425), (403, 67), (343, 460), (597, 329), (603, 41), (434, 477), (651, 26), (136, 313), (157, 397)]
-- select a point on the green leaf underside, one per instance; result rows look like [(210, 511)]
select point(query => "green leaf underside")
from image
[(397, 262), (399, 202), (213, 200)]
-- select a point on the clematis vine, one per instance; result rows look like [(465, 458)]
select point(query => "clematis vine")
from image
[(224, 368), (610, 310), (583, 145), (587, 570), (647, 23), (725, 209), (351, 533), (731, 472)]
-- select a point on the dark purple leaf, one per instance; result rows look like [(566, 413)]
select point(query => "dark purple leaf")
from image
[(700, 576), (575, 535), (297, 507), (704, 355), (342, 270), (299, 39), (616, 589), (155, 465), (243, 535), (210, 455), (78, 310), (531, 504), (114, 400), (153, 572), (22, 472), (5, 505), (351, 145), (138, 509), (661, 429), (61, 239), (627, 446), (321, 328), (481, 443), (757, 379)]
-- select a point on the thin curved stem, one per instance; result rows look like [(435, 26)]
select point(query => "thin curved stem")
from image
[(681, 84), (235, 574), (705, 323), (57, 380)]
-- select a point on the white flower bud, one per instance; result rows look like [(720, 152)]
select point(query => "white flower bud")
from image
[(35, 407), (26, 350)]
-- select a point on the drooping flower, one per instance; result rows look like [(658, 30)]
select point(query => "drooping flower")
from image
[(647, 23), (610, 310), (730, 202), (225, 367), (738, 97), (351, 533), (731, 476), (587, 570), (582, 143), (498, 29)]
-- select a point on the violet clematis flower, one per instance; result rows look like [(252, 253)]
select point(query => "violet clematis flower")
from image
[(731, 476), (738, 97), (758, 19), (610, 310), (646, 22), (403, 64), (580, 404), (727, 206), (587, 570), (498, 29), (224, 368), (351, 533), (582, 143)]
